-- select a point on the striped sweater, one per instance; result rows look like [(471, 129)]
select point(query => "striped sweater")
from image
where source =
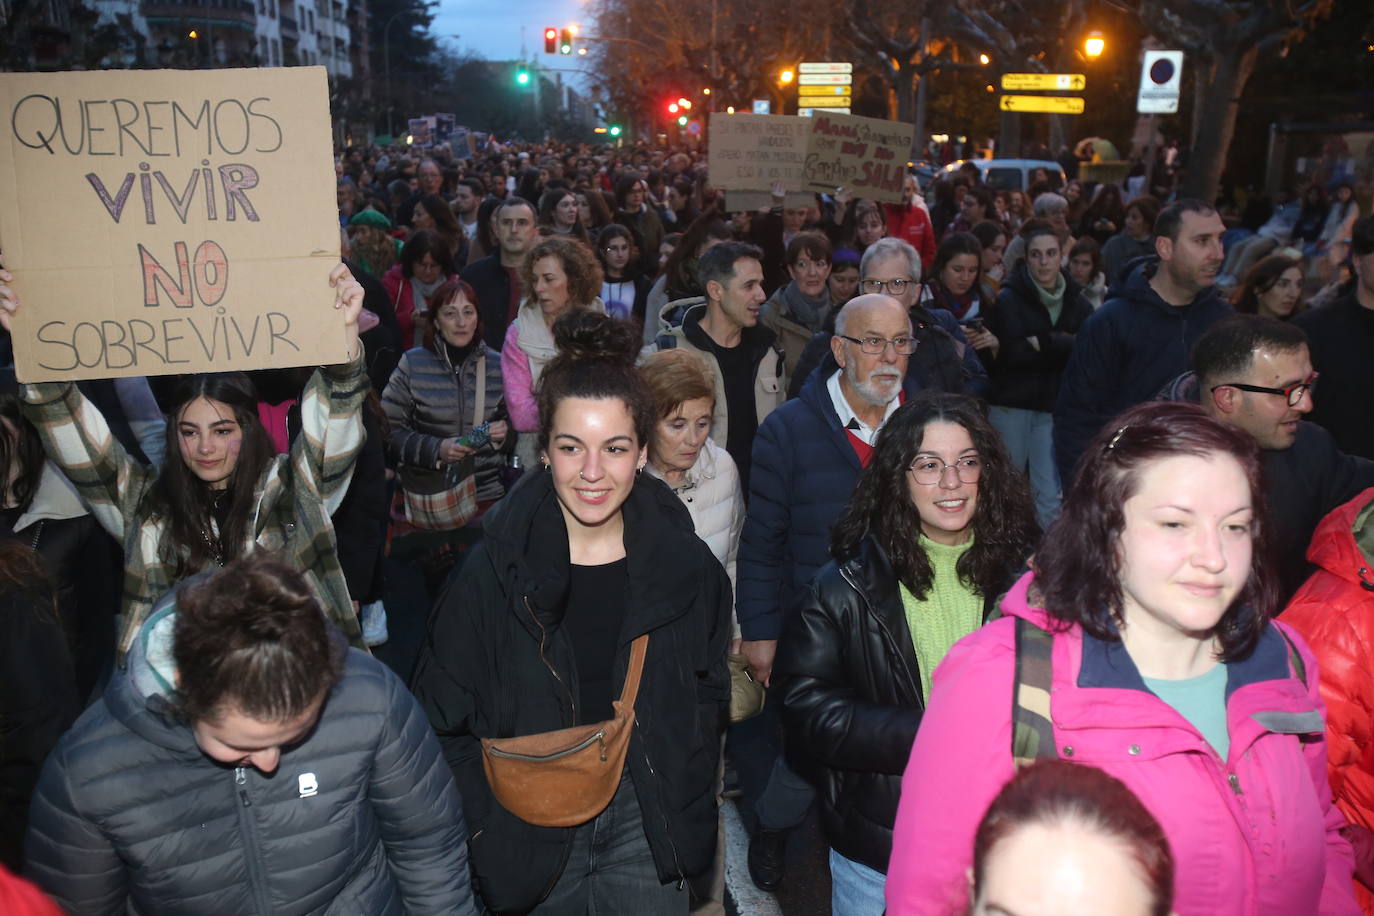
[(293, 502)]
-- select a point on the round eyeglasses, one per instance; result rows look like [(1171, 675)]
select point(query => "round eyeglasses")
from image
[(929, 471)]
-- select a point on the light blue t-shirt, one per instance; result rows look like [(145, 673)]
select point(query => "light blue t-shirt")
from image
[(1202, 701)]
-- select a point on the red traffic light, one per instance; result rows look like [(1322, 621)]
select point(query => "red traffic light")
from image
[(550, 40)]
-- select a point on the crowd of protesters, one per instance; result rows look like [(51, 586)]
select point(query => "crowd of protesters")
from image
[(1016, 520)]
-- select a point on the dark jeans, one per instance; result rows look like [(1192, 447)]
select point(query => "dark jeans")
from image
[(611, 869)]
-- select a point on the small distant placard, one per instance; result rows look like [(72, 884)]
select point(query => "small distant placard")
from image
[(865, 156), (162, 222)]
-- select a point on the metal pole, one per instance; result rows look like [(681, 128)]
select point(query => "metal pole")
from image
[(918, 139)]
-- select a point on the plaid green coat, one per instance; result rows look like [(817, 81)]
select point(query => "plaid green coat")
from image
[(295, 496)]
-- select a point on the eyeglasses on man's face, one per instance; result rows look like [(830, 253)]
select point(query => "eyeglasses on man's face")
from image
[(928, 471), (892, 287), (1293, 393), (902, 346)]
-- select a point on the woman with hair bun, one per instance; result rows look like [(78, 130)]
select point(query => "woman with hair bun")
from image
[(578, 562), (1143, 643), (248, 761)]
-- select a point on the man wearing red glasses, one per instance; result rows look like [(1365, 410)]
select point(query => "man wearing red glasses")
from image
[(1256, 374)]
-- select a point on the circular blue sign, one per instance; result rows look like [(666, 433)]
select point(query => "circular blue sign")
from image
[(1162, 70)]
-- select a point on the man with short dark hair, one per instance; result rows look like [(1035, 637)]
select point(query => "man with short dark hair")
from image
[(1341, 336), (496, 278), (467, 199), (1140, 339), (1254, 374), (744, 356)]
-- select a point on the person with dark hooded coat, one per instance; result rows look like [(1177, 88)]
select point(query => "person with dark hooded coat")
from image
[(1141, 337), (534, 634), (247, 761)]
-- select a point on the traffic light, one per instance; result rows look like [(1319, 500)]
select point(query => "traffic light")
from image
[(550, 40), (565, 44), (672, 108), (522, 75), (615, 130)]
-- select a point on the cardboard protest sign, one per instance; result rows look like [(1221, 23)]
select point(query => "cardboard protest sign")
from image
[(865, 156), (163, 222), (749, 152)]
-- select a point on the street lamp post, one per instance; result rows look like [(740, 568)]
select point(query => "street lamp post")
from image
[(386, 63)]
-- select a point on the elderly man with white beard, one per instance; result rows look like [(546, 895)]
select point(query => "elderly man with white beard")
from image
[(807, 458)]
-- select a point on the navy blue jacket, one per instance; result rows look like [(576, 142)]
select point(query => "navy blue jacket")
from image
[(1123, 355), (804, 471)]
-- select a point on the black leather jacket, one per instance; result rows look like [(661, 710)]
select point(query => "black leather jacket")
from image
[(851, 694)]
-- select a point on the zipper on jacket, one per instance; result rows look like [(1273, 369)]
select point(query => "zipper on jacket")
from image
[(543, 637), (248, 827), (887, 634), (600, 736), (662, 807)]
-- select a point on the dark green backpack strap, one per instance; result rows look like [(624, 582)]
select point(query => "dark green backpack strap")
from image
[(1294, 658), (1032, 732)]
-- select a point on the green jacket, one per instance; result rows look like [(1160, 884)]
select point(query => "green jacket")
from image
[(293, 502)]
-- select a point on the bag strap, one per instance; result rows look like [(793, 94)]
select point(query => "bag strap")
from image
[(638, 649), (480, 405), (1032, 732), (1294, 658)]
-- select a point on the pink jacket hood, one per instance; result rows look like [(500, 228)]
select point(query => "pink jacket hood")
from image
[(1253, 835)]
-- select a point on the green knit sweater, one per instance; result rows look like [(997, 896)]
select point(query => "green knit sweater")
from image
[(950, 611)]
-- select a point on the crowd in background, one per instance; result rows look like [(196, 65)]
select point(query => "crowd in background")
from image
[(926, 493)]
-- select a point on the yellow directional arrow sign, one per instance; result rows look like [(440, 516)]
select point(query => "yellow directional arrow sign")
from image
[(1063, 82), (823, 90), (1052, 104)]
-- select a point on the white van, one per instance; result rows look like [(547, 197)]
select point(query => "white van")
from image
[(1012, 174)]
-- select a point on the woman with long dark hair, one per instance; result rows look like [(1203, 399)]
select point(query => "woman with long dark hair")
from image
[(559, 215), (585, 559), (624, 288), (1143, 643), (938, 527), (1272, 288), (223, 491)]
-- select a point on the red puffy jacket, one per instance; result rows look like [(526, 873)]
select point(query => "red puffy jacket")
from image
[(1334, 612)]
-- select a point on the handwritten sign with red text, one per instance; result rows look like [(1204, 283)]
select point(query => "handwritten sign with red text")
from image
[(163, 222), (865, 156)]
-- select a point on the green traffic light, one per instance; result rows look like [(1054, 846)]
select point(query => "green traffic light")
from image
[(682, 121), (615, 130), (522, 77)]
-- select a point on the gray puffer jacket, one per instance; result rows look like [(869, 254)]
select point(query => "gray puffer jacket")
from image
[(360, 818), (427, 401)]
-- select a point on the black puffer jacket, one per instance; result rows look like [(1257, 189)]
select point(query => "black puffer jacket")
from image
[(498, 664), (1034, 349), (360, 817), (851, 694)]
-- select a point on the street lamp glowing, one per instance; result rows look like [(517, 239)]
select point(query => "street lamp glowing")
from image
[(729, 109), (706, 91), (786, 77), (1094, 45), (192, 34), (684, 104), (581, 52), (984, 59), (575, 29)]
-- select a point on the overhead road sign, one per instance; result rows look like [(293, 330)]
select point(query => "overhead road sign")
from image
[(1050, 104), (825, 79), (1161, 73), (825, 67), (1061, 82), (808, 112), (823, 90)]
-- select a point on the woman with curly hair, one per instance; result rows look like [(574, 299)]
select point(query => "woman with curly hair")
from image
[(558, 276), (937, 529)]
